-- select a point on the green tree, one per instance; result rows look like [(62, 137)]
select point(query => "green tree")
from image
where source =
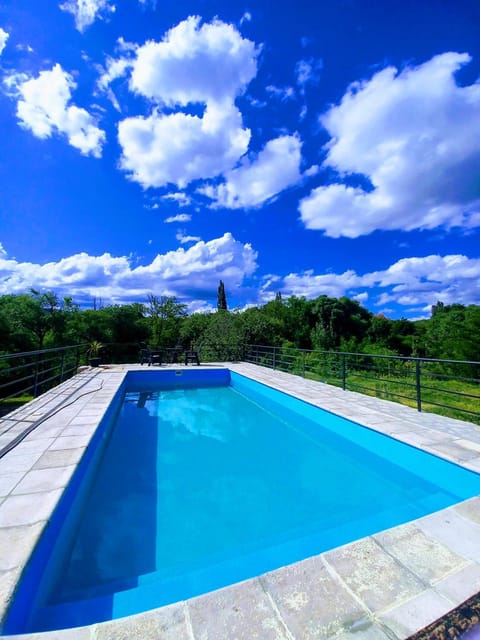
[(221, 297), (165, 314)]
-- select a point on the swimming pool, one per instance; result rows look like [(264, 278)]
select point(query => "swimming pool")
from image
[(275, 481)]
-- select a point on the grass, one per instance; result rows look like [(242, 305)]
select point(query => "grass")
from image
[(9, 404), (457, 397)]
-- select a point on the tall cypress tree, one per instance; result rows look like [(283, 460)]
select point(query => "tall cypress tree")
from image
[(221, 297)]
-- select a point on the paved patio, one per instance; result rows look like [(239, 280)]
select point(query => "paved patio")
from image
[(384, 586)]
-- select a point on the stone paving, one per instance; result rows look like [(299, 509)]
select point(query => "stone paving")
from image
[(386, 586)]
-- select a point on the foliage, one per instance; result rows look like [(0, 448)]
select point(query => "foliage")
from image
[(36, 320), (221, 297), (94, 349)]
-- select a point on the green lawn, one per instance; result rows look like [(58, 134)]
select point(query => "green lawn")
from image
[(458, 397)]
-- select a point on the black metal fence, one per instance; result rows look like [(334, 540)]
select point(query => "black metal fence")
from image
[(28, 374), (449, 387)]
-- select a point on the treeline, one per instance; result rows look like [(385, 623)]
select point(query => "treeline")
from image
[(42, 320)]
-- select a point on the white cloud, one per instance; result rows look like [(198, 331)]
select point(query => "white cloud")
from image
[(178, 148), (181, 217), (183, 239), (44, 107), (247, 17), (186, 273), (255, 181), (413, 135), (209, 64), (3, 39), (116, 68), (283, 93), (86, 12), (311, 286), (194, 63), (180, 198), (24, 47), (308, 72), (410, 282)]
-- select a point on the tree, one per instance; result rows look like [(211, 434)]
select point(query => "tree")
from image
[(166, 314), (221, 297)]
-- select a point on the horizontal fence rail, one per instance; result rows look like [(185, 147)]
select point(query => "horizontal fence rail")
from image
[(26, 375), (449, 387)]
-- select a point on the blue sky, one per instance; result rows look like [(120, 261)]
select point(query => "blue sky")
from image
[(311, 148)]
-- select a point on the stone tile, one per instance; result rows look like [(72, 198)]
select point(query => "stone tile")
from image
[(16, 544), (425, 557), (459, 586), (79, 633), (71, 442), (462, 536), (46, 431), (20, 510), (8, 581), (313, 603), (79, 430), (474, 464), (373, 575), (39, 480), (469, 509), (417, 613), (453, 451), (167, 623), (38, 445), (60, 458), (468, 444), (240, 612), (8, 482), (372, 632), (12, 463), (83, 419)]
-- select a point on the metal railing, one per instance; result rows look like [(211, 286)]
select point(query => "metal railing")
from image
[(28, 374), (449, 387)]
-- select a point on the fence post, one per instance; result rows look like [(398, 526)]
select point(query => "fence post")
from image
[(35, 378), (418, 385), (303, 363), (274, 363), (344, 373), (62, 367)]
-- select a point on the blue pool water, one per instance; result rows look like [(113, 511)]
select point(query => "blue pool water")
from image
[(211, 480)]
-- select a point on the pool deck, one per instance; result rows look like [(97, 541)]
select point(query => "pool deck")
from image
[(385, 586)]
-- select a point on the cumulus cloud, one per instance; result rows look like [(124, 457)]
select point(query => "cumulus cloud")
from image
[(413, 136), (3, 39), (86, 12), (175, 149), (194, 63), (185, 273), (208, 64), (409, 282), (255, 181), (44, 108), (414, 281)]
